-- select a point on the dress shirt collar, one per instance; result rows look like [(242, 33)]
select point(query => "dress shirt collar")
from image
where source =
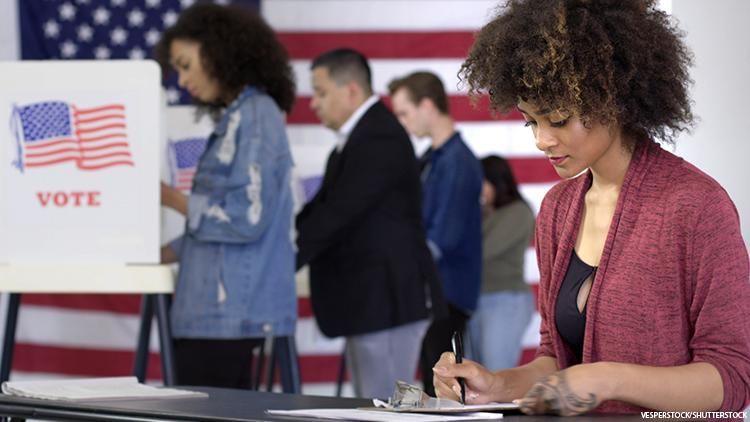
[(348, 126)]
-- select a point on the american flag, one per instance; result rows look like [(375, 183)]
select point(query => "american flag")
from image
[(399, 37), (55, 132), (101, 29), (183, 161)]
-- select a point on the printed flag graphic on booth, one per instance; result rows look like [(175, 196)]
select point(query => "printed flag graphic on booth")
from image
[(55, 132), (183, 161)]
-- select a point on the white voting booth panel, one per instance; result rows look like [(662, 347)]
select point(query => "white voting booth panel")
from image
[(79, 158)]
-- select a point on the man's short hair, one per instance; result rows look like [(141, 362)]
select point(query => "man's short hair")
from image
[(346, 65), (420, 85)]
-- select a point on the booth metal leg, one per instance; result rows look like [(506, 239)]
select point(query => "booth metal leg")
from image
[(9, 342), (144, 335), (272, 358), (342, 374), (163, 302), (286, 352)]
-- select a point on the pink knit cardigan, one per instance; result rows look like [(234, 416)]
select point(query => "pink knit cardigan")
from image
[(672, 285)]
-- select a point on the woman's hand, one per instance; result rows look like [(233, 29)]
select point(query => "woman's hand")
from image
[(573, 391), (172, 198), (479, 381), (168, 255)]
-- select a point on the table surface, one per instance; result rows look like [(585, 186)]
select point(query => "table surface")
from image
[(92, 278), (222, 405)]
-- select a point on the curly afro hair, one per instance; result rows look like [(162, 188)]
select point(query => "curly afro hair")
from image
[(238, 48), (616, 62)]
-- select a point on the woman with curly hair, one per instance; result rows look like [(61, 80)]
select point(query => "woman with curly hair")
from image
[(235, 284), (644, 288)]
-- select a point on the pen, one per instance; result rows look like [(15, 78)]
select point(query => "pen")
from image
[(458, 351)]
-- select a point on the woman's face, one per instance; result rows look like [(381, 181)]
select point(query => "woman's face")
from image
[(185, 57), (488, 194), (570, 146)]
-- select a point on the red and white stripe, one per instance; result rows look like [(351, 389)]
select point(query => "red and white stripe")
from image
[(184, 182)]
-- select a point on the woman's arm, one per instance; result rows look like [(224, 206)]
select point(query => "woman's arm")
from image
[(581, 388), (172, 198), (483, 386), (168, 255)]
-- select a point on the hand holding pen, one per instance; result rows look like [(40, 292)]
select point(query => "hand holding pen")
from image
[(458, 352), (454, 375)]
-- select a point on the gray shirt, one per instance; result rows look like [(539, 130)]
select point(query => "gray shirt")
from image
[(506, 234)]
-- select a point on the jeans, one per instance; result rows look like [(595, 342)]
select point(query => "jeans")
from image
[(495, 331)]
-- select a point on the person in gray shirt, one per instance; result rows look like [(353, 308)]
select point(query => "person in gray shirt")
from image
[(506, 304)]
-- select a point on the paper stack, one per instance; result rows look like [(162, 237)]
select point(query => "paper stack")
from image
[(88, 389)]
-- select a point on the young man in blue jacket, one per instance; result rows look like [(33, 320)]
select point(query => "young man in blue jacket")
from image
[(452, 183)]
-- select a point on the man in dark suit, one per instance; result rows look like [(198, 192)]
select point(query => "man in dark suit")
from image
[(372, 278)]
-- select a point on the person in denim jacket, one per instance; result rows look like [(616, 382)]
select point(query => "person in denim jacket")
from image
[(236, 280)]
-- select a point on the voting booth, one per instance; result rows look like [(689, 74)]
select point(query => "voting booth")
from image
[(80, 158), (80, 162)]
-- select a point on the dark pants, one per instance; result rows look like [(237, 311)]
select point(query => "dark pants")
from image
[(438, 340), (214, 362)]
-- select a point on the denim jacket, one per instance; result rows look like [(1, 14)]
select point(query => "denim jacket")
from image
[(236, 276)]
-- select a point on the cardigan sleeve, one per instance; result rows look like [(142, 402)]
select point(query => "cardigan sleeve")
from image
[(543, 246), (720, 305)]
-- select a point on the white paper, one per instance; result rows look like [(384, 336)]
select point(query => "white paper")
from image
[(437, 405), (380, 415), (93, 389)]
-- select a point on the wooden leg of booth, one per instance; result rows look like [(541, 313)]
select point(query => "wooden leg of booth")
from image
[(9, 340)]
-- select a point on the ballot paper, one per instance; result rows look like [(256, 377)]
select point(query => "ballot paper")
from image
[(91, 389), (436, 405), (409, 398), (380, 415)]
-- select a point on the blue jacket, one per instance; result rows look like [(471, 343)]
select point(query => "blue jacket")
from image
[(236, 276), (452, 179)]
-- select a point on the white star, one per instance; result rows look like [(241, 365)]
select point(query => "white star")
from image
[(85, 32), (152, 37), (82, 1), (101, 52), (153, 3), (173, 95), (118, 36), (118, 3), (51, 29), (101, 16), (186, 3), (169, 18), (137, 54), (136, 18), (68, 49), (67, 12)]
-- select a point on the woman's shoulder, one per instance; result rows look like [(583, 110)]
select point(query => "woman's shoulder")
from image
[(683, 182)]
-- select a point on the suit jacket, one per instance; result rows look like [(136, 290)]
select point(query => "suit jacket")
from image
[(363, 237)]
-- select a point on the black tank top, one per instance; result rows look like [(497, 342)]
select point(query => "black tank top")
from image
[(571, 322)]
